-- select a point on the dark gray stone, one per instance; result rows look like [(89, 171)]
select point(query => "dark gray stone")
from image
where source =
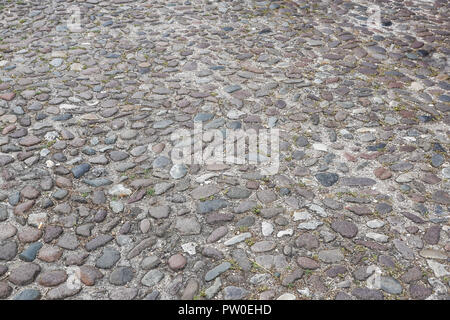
[(31, 252), (28, 294), (108, 259), (327, 179), (121, 276)]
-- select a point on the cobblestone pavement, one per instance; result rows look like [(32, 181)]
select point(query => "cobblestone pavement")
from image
[(92, 206)]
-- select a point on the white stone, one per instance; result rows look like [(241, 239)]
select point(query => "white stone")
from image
[(301, 215), (94, 103), (312, 225), (287, 296), (287, 232), (319, 210), (76, 67), (446, 173), (119, 191), (304, 292), (266, 228), (59, 54), (178, 171), (320, 147), (365, 130), (51, 135), (235, 114), (77, 100), (374, 224), (416, 86), (189, 247), (44, 152), (116, 206), (56, 62), (377, 237), (438, 268), (36, 219), (406, 177)]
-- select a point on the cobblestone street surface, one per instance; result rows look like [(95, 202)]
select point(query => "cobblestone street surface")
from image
[(93, 205)]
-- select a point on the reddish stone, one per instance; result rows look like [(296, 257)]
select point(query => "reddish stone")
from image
[(395, 84), (50, 254), (89, 275), (63, 182), (5, 290), (360, 210), (307, 263), (417, 44), (418, 198), (369, 156), (252, 185), (23, 207), (29, 192), (412, 229), (157, 148), (332, 80), (177, 262), (407, 114), (7, 96), (52, 278), (8, 129), (382, 173), (349, 157), (28, 234), (29, 141), (431, 178)]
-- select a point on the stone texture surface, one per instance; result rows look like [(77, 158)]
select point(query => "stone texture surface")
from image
[(95, 206)]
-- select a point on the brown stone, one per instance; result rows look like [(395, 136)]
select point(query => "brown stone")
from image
[(307, 263), (7, 96), (29, 141), (29, 192), (177, 262), (20, 209), (52, 278), (28, 234), (50, 254), (89, 275), (382, 173), (63, 182), (5, 290)]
